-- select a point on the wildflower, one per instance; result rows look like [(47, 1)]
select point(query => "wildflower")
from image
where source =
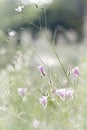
[(76, 72), (11, 33), (19, 9), (22, 92), (69, 92), (41, 69), (35, 123), (61, 93), (43, 101), (64, 93)]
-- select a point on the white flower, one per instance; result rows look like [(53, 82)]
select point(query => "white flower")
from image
[(19, 9), (64, 93), (11, 33)]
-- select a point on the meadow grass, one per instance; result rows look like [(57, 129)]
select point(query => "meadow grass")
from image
[(30, 98), (26, 113)]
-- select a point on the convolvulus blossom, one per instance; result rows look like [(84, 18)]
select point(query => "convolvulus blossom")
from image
[(64, 93), (22, 92), (41, 68), (76, 72), (43, 101)]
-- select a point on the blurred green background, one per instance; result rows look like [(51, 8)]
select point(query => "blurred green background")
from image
[(37, 28), (64, 20), (67, 13)]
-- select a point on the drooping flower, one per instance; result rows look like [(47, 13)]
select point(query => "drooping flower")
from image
[(69, 92), (41, 68), (19, 9), (64, 93), (22, 92), (43, 101), (61, 93), (76, 72), (35, 123)]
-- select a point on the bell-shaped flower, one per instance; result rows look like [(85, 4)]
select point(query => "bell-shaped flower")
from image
[(76, 72), (43, 101), (61, 93), (64, 93), (22, 92), (41, 68), (69, 92)]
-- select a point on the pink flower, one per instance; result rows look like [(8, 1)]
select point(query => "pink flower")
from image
[(43, 101), (69, 92), (64, 93), (22, 91), (61, 93), (76, 72), (41, 69)]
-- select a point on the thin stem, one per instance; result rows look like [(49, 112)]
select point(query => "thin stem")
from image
[(27, 20), (61, 64), (46, 65), (52, 47), (45, 19), (55, 34), (39, 15), (49, 43)]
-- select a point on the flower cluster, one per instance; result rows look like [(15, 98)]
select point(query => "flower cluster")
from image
[(63, 93)]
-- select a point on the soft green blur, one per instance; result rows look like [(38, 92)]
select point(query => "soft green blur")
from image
[(18, 68), (32, 19)]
